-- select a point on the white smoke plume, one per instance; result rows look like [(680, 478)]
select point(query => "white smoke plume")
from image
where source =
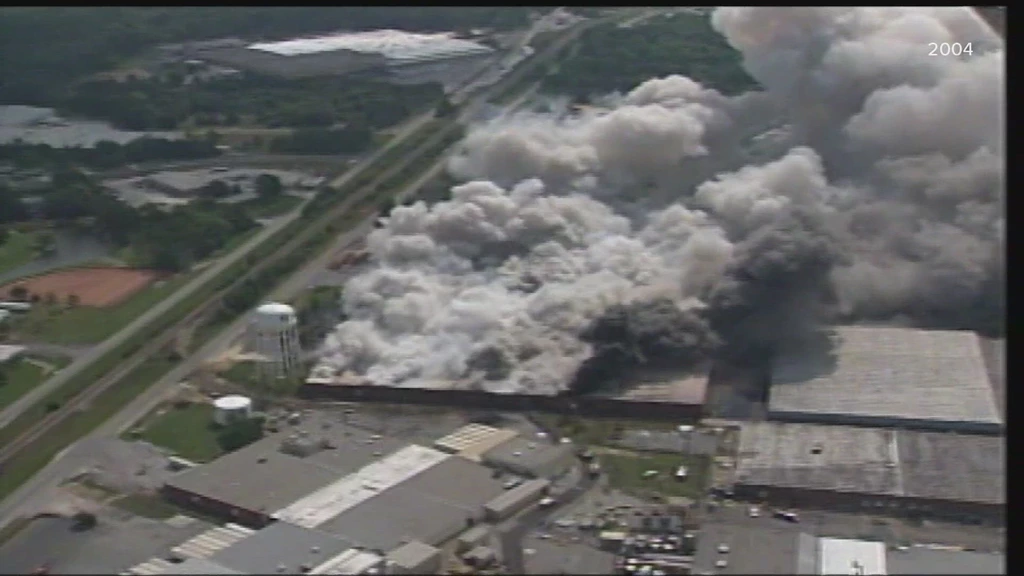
[(659, 224)]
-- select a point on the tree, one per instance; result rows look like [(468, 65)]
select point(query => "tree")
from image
[(3, 378), (240, 433), (268, 185), (84, 520), (217, 189), (50, 299), (19, 292), (444, 109), (73, 300)]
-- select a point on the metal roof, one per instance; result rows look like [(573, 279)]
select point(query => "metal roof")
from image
[(354, 489), (958, 467), (281, 545), (472, 437), (212, 541), (392, 44), (412, 554), (532, 455), (839, 556), (884, 372), (351, 561)]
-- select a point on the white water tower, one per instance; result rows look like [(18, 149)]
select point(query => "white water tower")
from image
[(231, 408), (275, 336)]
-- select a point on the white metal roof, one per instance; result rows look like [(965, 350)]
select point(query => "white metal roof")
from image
[(351, 561), (392, 44), (212, 541), (356, 488), (856, 557), (473, 437)]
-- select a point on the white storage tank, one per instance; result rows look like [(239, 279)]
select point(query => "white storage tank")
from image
[(275, 337), (231, 408)]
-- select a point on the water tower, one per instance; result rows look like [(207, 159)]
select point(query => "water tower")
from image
[(275, 337)]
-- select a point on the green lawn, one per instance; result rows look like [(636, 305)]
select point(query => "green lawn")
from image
[(270, 207), (88, 325), (23, 376), (146, 506), (626, 473), (187, 430), (18, 250)]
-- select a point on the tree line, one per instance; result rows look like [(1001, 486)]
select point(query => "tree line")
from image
[(47, 48), (613, 59), (167, 102), (106, 155)]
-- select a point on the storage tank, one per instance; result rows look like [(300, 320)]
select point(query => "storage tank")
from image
[(275, 337), (230, 408)]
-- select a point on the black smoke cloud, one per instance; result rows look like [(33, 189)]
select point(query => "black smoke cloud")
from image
[(865, 183)]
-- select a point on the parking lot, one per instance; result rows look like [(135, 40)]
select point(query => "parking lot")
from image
[(116, 543), (890, 530), (555, 557)]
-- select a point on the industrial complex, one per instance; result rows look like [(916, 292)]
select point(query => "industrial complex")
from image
[(888, 377), (343, 53), (322, 496), (899, 471)]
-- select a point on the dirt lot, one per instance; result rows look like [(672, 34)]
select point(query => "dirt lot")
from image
[(99, 286)]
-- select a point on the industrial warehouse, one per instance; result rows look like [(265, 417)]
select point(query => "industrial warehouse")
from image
[(674, 399), (887, 377), (392, 51), (767, 551), (325, 501), (958, 476)]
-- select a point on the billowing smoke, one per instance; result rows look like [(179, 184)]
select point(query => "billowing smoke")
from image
[(865, 183)]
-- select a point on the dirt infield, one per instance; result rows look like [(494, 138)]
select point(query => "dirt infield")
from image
[(94, 286)]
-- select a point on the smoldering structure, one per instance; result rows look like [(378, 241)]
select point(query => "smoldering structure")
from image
[(864, 183)]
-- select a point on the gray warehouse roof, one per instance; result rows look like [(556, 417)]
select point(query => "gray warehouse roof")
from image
[(431, 507), (897, 374), (534, 456), (921, 560), (281, 544), (412, 554), (873, 461), (198, 567), (260, 477)]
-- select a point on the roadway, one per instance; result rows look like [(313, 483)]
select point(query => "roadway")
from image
[(69, 461)]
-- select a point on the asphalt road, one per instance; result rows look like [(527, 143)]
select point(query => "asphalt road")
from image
[(133, 329)]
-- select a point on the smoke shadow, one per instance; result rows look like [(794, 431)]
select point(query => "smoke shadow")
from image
[(812, 356)]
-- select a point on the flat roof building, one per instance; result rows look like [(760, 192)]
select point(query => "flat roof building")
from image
[(516, 499), (413, 558), (842, 556), (281, 548), (873, 469), (253, 483), (531, 458), (888, 377)]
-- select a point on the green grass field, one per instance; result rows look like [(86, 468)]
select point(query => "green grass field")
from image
[(187, 430), (23, 376), (88, 325), (18, 250), (270, 207), (626, 473)]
